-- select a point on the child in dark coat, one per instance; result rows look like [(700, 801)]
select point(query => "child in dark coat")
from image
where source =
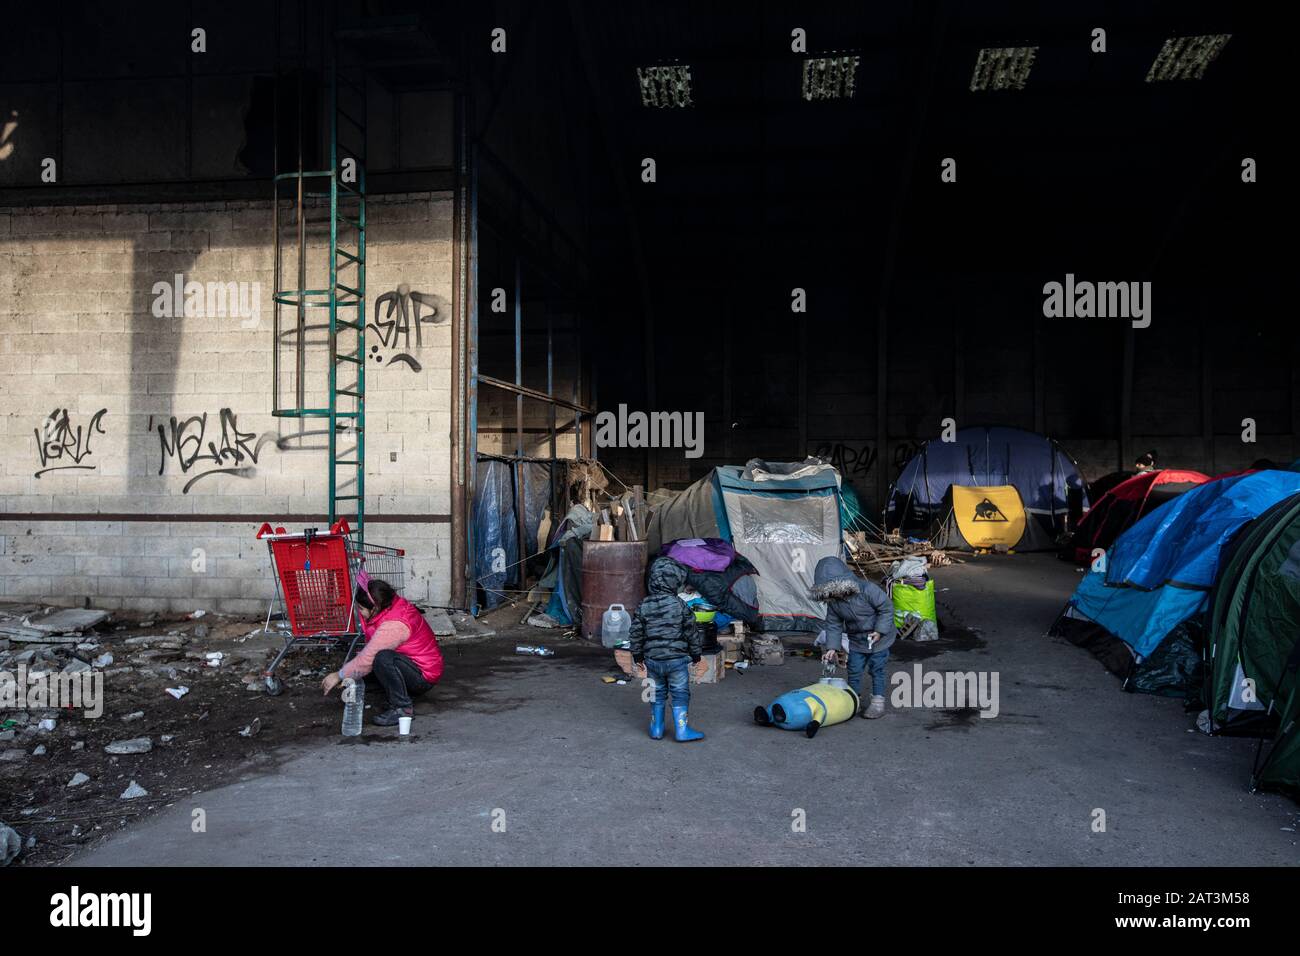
[(665, 642), (860, 611)]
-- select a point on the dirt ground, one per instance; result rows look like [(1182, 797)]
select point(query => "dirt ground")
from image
[(225, 728)]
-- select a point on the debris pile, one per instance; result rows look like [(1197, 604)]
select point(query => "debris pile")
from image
[(873, 555), (99, 713)]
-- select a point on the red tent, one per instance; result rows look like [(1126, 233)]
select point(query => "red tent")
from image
[(1124, 504)]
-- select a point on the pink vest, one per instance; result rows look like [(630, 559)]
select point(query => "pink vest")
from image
[(421, 646)]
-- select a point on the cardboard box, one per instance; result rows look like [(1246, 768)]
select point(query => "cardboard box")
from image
[(717, 669)]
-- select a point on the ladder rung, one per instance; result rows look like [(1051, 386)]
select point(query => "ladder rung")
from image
[(347, 324), (347, 303), (353, 223), (345, 288), (340, 461), (348, 255), (348, 391), (348, 358), (347, 497)]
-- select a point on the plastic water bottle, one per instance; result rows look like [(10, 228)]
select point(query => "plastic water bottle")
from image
[(354, 705), (535, 650), (615, 625)]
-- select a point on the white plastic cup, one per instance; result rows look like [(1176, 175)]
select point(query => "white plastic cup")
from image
[(404, 726)]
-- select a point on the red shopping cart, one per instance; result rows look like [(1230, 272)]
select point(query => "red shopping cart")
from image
[(315, 583)]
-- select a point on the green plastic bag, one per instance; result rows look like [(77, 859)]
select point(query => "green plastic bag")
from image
[(919, 601)]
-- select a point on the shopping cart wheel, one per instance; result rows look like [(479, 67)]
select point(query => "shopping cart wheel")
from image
[(273, 686)]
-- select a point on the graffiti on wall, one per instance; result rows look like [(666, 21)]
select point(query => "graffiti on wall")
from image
[(856, 461), (401, 328), (58, 441), (225, 451), (850, 460)]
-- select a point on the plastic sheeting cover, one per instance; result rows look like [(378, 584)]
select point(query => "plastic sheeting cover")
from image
[(784, 537), (496, 547)]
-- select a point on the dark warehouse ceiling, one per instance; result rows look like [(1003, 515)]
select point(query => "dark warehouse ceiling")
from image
[(751, 166)]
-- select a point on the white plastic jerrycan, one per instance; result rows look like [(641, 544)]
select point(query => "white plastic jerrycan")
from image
[(615, 625)]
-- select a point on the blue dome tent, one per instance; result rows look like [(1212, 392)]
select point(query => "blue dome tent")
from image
[(1045, 476)]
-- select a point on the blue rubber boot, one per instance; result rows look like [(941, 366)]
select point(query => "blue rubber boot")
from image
[(657, 720), (684, 730)]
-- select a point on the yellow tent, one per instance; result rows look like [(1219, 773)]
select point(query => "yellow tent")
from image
[(989, 517)]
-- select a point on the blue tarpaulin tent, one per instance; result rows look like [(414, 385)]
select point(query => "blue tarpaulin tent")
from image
[(986, 456), (1159, 573)]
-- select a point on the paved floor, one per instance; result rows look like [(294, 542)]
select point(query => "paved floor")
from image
[(563, 761)]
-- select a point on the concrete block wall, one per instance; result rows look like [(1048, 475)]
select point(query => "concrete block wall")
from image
[(138, 453)]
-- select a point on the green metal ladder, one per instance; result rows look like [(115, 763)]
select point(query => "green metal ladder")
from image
[(344, 184)]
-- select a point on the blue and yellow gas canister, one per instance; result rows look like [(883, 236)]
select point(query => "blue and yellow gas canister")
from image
[(829, 701)]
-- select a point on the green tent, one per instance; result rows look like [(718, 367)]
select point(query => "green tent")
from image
[(1253, 652)]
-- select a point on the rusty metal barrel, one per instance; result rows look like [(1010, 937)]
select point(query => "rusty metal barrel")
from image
[(613, 572)]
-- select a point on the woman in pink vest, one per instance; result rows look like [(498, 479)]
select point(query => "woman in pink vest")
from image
[(401, 654)]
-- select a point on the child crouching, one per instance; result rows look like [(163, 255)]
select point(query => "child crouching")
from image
[(860, 614)]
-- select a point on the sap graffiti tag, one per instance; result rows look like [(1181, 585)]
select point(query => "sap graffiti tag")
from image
[(400, 320)]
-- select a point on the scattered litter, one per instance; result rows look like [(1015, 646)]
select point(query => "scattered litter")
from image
[(167, 738), (252, 729), (535, 650), (178, 692), (134, 791), (79, 745), (76, 666), (39, 751), (134, 715), (78, 779), (542, 619), (214, 658), (49, 723), (102, 661), (136, 745), (198, 614)]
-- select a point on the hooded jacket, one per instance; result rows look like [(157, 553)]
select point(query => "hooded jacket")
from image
[(663, 628), (854, 607)]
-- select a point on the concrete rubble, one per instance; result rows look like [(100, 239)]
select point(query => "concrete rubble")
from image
[(136, 745)]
